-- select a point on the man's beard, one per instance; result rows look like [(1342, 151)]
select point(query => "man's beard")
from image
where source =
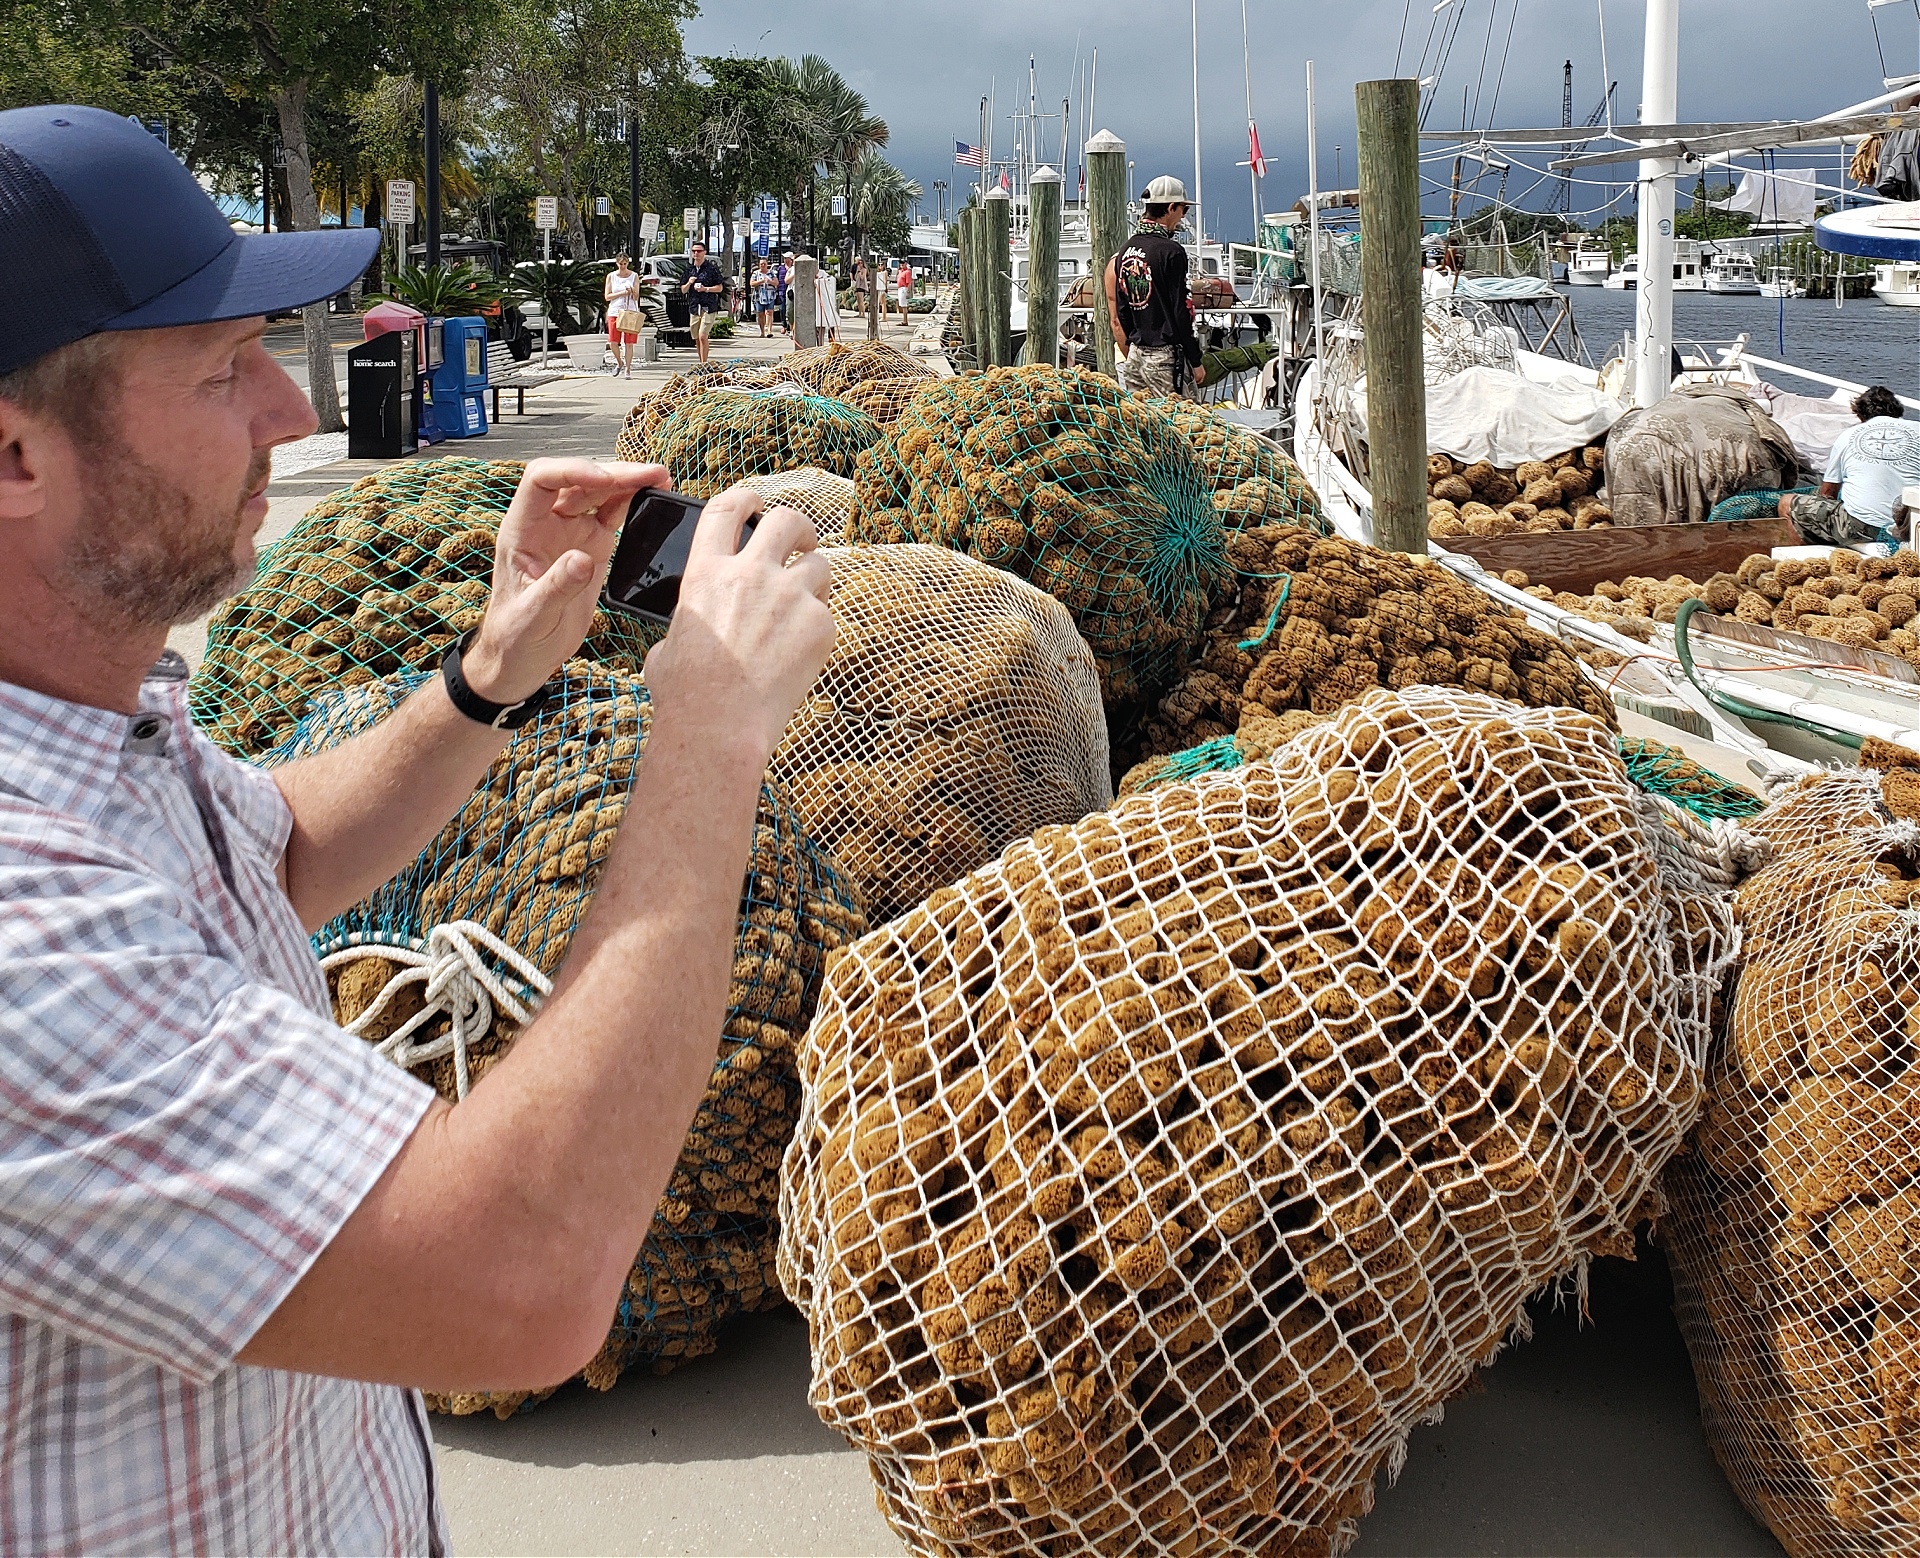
[(154, 554)]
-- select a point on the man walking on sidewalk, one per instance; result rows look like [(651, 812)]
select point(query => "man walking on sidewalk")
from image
[(706, 291)]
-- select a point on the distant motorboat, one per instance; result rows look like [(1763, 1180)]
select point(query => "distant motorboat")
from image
[(1780, 283), (1734, 275), (1687, 275), (1898, 283), (1590, 263)]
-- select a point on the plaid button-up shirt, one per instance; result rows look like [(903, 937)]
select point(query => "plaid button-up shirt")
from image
[(182, 1131)]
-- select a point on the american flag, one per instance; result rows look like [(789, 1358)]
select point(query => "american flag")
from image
[(966, 156)]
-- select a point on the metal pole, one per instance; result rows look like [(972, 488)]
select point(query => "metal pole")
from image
[(1653, 297), (999, 264), (633, 179), (432, 190), (1043, 268), (1313, 224), (1107, 223), (1199, 197), (1389, 157)]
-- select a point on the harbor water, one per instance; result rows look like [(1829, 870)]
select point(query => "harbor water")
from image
[(1866, 341)]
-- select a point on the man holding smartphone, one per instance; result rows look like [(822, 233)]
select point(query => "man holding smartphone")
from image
[(234, 1242), (706, 291)]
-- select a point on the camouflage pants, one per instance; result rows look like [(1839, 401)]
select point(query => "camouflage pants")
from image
[(1823, 522), (1158, 370)]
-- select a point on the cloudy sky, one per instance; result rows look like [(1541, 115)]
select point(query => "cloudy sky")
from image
[(925, 67)]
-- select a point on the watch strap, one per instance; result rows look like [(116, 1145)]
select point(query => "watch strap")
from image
[(484, 711)]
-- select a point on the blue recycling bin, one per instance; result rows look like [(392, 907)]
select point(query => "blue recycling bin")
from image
[(457, 384)]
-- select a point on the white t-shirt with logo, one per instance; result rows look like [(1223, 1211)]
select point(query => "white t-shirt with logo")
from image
[(1872, 462)]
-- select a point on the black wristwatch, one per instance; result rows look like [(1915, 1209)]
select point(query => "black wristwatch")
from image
[(500, 716)]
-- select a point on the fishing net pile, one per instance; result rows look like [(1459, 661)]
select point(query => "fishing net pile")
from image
[(373, 581), (1153, 1182), (960, 711), (824, 498), (1254, 481), (1795, 1222), (1313, 622), (498, 896), (1845, 598), (644, 418), (721, 434), (1480, 499), (1056, 476)]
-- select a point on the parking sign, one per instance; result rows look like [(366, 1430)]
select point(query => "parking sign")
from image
[(400, 202), (649, 226), (546, 212)]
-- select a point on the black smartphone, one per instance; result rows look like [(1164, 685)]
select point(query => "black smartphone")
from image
[(651, 559)]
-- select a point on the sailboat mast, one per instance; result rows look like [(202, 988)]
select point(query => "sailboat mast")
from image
[(1313, 223), (1199, 199), (1653, 297), (1253, 173)]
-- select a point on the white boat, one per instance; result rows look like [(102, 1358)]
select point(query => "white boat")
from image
[(1780, 283), (1590, 263), (1733, 275), (1688, 275), (1898, 283)]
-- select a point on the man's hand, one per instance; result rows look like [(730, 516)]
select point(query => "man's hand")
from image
[(555, 542), (752, 629), (1199, 373)]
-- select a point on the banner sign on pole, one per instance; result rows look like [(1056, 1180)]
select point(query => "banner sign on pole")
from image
[(840, 205), (546, 212), (602, 206), (400, 202)]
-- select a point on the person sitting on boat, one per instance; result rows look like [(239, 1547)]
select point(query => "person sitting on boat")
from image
[(1866, 471), (1147, 300)]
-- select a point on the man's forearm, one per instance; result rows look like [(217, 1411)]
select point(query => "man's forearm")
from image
[(365, 809)]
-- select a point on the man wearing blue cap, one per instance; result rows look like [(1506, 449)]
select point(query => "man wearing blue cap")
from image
[(234, 1241)]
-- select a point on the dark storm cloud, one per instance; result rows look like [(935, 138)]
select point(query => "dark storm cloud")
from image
[(924, 68)]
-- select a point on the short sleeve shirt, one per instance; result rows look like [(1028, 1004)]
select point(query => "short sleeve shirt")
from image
[(1150, 292), (183, 1129), (1872, 463)]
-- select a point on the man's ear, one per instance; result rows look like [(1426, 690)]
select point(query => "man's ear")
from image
[(26, 449)]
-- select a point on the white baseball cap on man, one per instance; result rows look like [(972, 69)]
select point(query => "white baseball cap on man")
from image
[(1166, 191)]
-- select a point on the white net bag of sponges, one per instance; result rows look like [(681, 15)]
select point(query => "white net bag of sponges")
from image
[(960, 711), (1152, 1183), (824, 498), (1794, 1228)]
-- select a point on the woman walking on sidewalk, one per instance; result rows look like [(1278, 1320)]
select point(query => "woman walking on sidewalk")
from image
[(624, 318), (765, 294)]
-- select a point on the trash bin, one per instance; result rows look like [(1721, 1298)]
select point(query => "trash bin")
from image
[(381, 389), (457, 405), (649, 344)]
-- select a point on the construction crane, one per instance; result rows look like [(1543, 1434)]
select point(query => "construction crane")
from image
[(1563, 196)]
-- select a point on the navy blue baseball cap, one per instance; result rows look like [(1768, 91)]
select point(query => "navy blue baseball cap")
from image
[(103, 228)]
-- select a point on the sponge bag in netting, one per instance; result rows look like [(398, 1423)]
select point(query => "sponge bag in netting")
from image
[(373, 581), (960, 711), (824, 498), (1254, 481), (723, 434), (443, 966), (1794, 1229), (841, 367), (1153, 1182), (1058, 477)]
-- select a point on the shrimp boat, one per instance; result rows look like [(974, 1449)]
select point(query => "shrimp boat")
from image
[(1781, 283)]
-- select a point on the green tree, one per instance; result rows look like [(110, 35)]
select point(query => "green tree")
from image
[(838, 129), (1702, 221)]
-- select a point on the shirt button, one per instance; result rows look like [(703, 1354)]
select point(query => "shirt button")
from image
[(147, 735)]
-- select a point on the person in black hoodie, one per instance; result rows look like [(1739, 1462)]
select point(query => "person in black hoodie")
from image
[(1148, 302)]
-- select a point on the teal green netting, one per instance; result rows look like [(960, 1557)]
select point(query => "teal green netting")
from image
[(1094, 496), (1663, 770), (720, 434), (523, 858)]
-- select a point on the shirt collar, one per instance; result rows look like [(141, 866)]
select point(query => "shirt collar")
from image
[(66, 756)]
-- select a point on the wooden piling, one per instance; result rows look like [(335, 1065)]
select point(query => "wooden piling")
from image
[(999, 266), (1043, 268), (1389, 119), (1107, 218), (964, 264)]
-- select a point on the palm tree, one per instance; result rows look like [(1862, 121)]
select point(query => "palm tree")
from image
[(840, 127), (878, 195)]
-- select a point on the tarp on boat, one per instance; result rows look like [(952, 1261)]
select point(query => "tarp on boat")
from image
[(1505, 418)]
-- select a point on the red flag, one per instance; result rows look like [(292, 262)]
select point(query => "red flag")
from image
[(1003, 182), (1254, 159)]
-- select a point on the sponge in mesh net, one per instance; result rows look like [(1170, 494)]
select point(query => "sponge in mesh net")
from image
[(824, 498), (1794, 1223), (374, 581), (1054, 475), (522, 859), (959, 712), (1152, 1182)]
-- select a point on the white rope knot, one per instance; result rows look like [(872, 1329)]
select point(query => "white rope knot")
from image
[(460, 986)]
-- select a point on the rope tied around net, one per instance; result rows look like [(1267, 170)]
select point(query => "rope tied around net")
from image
[(460, 986)]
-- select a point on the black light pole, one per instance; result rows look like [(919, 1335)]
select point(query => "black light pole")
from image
[(433, 175), (633, 181)]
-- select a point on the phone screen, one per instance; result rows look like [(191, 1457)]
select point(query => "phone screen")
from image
[(651, 558)]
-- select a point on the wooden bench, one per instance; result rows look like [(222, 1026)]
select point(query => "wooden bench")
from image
[(503, 373)]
